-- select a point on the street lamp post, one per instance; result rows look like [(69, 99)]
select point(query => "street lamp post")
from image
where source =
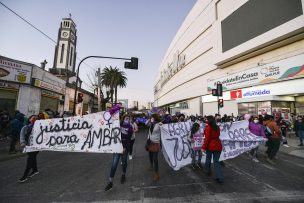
[(77, 75)]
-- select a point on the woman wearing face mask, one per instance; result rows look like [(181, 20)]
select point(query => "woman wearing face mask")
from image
[(126, 134), (154, 146), (256, 128)]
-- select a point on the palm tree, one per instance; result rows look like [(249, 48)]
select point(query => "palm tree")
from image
[(113, 78)]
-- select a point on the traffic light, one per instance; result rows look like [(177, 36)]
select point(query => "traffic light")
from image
[(214, 92), (133, 64), (80, 97), (221, 103), (219, 88)]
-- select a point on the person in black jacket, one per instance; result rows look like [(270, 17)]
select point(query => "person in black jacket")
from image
[(299, 128)]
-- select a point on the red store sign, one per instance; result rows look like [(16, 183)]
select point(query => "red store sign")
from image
[(236, 94)]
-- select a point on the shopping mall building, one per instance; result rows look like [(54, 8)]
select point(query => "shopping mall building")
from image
[(254, 48)]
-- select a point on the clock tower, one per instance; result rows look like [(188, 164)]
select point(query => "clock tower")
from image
[(65, 51)]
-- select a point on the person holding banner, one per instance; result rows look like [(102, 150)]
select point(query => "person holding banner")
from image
[(31, 162), (195, 138), (154, 146), (213, 147), (126, 134), (257, 129)]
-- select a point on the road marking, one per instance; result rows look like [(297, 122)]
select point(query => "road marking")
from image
[(250, 177)]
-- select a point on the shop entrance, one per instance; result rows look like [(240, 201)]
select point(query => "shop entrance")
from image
[(8, 100)]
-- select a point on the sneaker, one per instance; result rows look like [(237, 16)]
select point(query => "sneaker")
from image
[(22, 180), (300, 145), (109, 186), (221, 182), (199, 166), (33, 174), (123, 179), (270, 161), (193, 166), (255, 160), (130, 157)]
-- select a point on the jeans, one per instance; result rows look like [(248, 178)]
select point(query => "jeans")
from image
[(254, 152), (115, 162), (216, 156), (301, 135), (273, 147), (195, 154), (31, 163), (131, 146), (153, 156)]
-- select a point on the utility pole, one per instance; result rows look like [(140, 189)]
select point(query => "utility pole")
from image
[(129, 65), (98, 89)]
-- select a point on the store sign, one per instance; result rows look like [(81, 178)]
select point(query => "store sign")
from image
[(236, 94), (14, 71), (287, 68), (256, 93), (48, 86), (9, 85), (179, 61)]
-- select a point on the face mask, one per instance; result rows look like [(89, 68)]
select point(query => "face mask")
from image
[(152, 120), (255, 121), (126, 121)]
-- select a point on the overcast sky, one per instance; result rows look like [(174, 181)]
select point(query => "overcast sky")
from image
[(117, 28)]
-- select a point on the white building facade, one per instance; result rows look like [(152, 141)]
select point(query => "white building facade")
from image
[(255, 48)]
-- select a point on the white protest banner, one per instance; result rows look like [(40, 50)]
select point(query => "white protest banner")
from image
[(176, 148), (98, 132), (236, 139)]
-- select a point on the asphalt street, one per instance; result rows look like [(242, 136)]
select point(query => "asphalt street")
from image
[(82, 177)]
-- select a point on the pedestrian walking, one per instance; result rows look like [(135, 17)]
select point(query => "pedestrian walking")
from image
[(195, 138), (257, 129), (274, 138), (31, 162), (135, 130), (213, 147), (154, 135), (299, 128), (126, 134), (16, 126)]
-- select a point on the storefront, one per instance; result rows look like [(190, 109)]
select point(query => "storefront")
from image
[(13, 75), (52, 90), (273, 88), (8, 96)]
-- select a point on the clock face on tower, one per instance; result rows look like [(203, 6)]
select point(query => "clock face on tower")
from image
[(64, 34)]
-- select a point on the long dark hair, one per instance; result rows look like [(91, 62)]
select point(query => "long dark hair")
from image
[(212, 123), (194, 128)]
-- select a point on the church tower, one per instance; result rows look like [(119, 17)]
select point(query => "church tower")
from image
[(65, 51)]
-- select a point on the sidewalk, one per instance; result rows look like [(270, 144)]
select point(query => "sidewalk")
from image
[(292, 147)]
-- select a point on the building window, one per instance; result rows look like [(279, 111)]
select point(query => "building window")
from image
[(62, 52), (71, 55)]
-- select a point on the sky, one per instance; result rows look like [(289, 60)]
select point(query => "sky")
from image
[(114, 28)]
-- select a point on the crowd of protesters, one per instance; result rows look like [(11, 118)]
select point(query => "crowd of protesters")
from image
[(274, 128)]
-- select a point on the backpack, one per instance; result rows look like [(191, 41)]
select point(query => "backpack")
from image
[(268, 132)]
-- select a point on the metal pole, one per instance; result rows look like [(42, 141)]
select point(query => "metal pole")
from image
[(218, 105), (98, 89), (77, 75)]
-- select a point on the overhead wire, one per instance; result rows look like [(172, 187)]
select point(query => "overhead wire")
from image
[(39, 30)]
